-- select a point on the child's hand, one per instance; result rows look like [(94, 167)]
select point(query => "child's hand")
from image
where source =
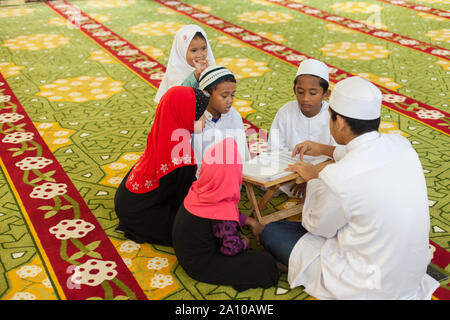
[(200, 65), (298, 189)]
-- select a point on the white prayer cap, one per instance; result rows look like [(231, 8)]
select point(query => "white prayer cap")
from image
[(315, 68), (212, 75), (356, 98)]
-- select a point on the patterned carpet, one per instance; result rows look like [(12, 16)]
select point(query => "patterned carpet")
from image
[(77, 81)]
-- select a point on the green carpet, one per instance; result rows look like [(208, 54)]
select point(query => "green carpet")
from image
[(83, 75)]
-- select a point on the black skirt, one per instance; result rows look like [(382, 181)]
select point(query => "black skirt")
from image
[(148, 217), (197, 251)]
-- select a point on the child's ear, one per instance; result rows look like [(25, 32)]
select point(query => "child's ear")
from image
[(326, 95)]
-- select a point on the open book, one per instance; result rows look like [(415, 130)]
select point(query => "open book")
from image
[(270, 166)]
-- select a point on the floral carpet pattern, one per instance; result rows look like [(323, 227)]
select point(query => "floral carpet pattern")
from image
[(77, 81)]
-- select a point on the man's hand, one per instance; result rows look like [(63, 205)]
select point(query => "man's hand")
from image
[(311, 148), (305, 170)]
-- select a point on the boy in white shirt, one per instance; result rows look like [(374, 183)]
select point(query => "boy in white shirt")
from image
[(222, 119), (305, 118)]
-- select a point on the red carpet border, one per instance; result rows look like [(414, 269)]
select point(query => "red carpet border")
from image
[(82, 260)]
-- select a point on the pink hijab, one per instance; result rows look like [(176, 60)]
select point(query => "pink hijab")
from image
[(216, 193)]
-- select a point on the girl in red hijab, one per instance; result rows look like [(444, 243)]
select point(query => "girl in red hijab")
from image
[(206, 232), (150, 194)]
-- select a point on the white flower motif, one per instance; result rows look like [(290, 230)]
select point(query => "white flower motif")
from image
[(127, 52), (157, 76), (233, 29), (17, 137), (214, 21), (115, 43), (355, 25), (429, 114), (93, 272), (46, 282), (101, 33), (393, 98), (5, 98), (182, 8), (10, 117), (148, 183), (444, 14), (67, 229), (29, 271), (408, 42), (135, 186), (295, 57), (251, 38), (145, 64), (187, 159), (30, 163), (115, 180), (334, 18), (383, 34), (273, 48), (200, 15), (163, 167), (128, 262), (161, 281), (117, 166), (130, 157), (296, 5), (177, 161), (172, 3), (332, 70), (48, 190), (23, 296), (129, 246), (61, 133), (422, 8), (91, 26), (157, 263), (312, 11), (441, 52)]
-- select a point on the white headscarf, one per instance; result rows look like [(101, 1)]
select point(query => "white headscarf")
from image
[(177, 68)]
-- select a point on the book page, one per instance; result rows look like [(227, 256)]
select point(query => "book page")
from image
[(270, 166)]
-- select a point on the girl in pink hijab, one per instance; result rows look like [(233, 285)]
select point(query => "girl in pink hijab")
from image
[(206, 232)]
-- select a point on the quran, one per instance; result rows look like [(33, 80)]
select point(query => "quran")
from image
[(270, 166)]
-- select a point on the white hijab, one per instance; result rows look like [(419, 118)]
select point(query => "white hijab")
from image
[(177, 68)]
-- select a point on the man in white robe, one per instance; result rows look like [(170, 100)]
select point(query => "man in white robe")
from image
[(365, 223)]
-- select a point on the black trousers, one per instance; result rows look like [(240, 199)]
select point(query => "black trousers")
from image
[(148, 217)]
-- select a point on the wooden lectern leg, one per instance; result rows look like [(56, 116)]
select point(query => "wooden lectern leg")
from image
[(253, 201)]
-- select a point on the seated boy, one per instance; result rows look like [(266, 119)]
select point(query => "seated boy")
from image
[(305, 118)]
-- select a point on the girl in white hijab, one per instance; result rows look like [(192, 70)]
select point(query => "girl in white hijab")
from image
[(190, 52)]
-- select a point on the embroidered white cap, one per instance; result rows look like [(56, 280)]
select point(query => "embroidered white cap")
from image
[(315, 68), (212, 75), (356, 98)]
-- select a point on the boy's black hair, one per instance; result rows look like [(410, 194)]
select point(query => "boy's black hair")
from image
[(198, 35), (228, 78), (322, 82), (358, 126)]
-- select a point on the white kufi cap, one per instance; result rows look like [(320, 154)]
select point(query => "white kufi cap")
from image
[(313, 67), (356, 98)]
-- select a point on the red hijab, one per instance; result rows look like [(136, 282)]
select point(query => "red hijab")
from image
[(216, 193), (168, 143)]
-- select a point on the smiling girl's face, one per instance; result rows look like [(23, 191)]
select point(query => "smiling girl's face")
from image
[(197, 50)]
